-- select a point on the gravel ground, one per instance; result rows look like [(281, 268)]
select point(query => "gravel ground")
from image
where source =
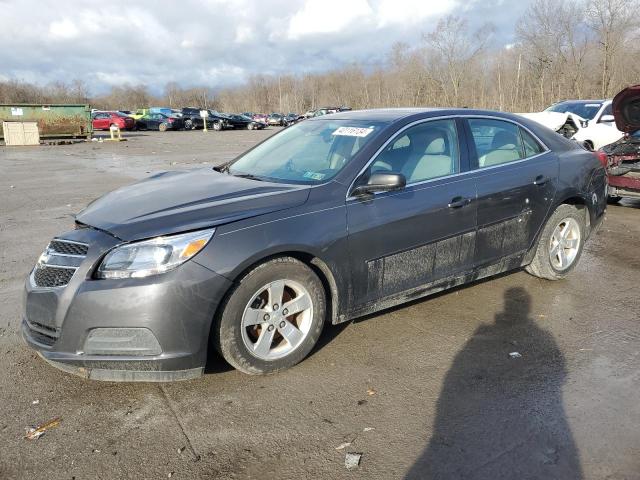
[(427, 390)]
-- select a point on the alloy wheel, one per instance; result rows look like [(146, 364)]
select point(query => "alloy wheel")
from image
[(564, 244), (277, 319)]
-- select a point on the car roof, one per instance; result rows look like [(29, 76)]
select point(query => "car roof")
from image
[(395, 114)]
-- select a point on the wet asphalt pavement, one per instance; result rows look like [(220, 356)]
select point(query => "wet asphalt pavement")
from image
[(426, 390)]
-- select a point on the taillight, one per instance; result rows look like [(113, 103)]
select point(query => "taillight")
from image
[(602, 157), (170, 120)]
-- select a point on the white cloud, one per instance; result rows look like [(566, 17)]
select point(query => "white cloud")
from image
[(327, 16), (215, 42), (244, 34), (65, 29), (410, 12)]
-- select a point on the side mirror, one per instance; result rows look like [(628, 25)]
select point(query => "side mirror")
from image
[(381, 182), (607, 119)]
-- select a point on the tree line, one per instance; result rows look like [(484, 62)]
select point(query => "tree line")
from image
[(562, 49)]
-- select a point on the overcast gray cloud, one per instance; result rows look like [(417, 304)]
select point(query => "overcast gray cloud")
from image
[(216, 42)]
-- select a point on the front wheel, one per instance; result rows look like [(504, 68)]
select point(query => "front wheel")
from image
[(272, 319), (188, 124), (560, 244), (217, 126), (162, 127)]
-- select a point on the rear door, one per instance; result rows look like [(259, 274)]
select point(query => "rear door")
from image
[(516, 182), (402, 240), (101, 121)]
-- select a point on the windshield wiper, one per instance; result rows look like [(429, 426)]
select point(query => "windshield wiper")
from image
[(247, 175)]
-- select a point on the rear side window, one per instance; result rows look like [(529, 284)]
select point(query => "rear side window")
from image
[(531, 145), (497, 142)]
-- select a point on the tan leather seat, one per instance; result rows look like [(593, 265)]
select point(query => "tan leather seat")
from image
[(504, 149), (432, 163)]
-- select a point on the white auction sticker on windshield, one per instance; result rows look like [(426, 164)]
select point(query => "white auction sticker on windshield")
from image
[(353, 131)]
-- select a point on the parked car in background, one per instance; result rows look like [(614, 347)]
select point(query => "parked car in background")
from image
[(139, 113), (275, 119), (104, 120), (622, 158), (193, 119), (328, 220), (260, 117), (244, 122), (164, 110), (325, 111), (589, 122), (290, 119), (159, 121), (217, 121)]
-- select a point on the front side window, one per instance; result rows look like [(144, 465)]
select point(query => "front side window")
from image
[(308, 152), (496, 141), (423, 152)]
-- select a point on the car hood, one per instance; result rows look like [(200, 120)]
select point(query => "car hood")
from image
[(173, 202), (626, 109), (554, 120)]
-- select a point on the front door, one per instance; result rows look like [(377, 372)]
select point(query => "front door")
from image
[(401, 240), (516, 181)]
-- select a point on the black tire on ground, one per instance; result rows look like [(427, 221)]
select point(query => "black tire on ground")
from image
[(541, 265), (217, 126), (227, 329), (188, 124), (613, 199), (162, 127), (250, 126)]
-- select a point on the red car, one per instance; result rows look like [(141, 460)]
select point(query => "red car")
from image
[(622, 158), (104, 120)]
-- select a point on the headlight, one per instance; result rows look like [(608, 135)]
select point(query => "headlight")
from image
[(150, 257)]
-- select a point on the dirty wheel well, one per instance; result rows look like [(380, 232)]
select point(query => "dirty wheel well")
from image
[(579, 203)]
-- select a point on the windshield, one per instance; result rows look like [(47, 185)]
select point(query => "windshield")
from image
[(586, 110), (308, 152)]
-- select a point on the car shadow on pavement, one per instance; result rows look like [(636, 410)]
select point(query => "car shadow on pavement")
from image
[(500, 412)]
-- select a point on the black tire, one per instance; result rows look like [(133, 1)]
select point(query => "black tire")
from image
[(217, 126), (250, 126), (613, 199), (227, 330), (188, 124), (541, 265)]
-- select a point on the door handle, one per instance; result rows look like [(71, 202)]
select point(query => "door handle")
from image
[(459, 202), (540, 180)]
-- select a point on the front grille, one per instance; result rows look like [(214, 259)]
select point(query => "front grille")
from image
[(45, 276), (58, 263), (68, 248)]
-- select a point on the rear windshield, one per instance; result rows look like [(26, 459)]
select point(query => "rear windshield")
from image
[(308, 152)]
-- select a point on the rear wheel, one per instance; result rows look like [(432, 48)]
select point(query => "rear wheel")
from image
[(188, 124), (613, 199), (272, 319), (217, 126), (560, 244), (162, 127), (250, 126)]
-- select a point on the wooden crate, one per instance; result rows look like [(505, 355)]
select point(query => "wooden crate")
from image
[(21, 133)]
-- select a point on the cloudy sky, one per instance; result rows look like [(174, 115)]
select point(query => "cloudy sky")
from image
[(216, 42)]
